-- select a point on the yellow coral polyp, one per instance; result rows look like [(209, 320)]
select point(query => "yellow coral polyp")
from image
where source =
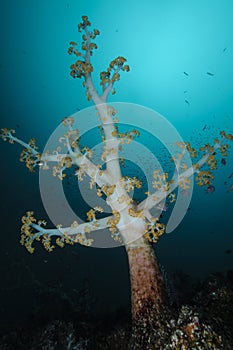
[(115, 65), (115, 77), (212, 164), (126, 137), (25, 156), (154, 230), (126, 68), (229, 137), (6, 133), (204, 178), (99, 192), (136, 213), (180, 144), (172, 197), (108, 190), (57, 172), (124, 199), (80, 69), (156, 185), (96, 32), (98, 209), (28, 218), (46, 241), (68, 121), (91, 214), (32, 143), (84, 24), (130, 183), (81, 172), (184, 183), (117, 62), (104, 78), (112, 222), (65, 162), (191, 150), (160, 182), (223, 150), (60, 242)]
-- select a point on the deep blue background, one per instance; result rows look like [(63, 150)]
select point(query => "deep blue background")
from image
[(161, 40)]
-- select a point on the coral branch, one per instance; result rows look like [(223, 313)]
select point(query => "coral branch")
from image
[(33, 158), (108, 78), (29, 154), (83, 69), (182, 179), (31, 231)]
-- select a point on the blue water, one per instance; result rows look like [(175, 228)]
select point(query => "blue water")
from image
[(171, 46)]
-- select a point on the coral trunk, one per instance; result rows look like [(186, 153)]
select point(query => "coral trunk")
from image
[(148, 297), (147, 284)]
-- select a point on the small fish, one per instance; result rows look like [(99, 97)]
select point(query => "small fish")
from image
[(40, 164), (209, 73), (224, 49), (68, 5), (230, 176), (204, 127), (210, 189), (228, 251), (185, 91), (185, 73), (223, 161), (230, 189), (186, 101)]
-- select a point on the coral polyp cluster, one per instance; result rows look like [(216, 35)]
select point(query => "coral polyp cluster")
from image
[(83, 68)]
